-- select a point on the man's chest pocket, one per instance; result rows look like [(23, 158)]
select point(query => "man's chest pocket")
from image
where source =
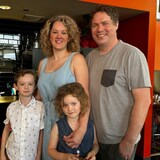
[(108, 77)]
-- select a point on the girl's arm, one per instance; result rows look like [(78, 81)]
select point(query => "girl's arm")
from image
[(91, 155), (5, 136), (39, 149), (52, 151), (80, 70)]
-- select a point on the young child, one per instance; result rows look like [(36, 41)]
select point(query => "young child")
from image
[(24, 123), (71, 102)]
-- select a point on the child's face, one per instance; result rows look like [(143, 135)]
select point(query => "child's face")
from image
[(71, 106), (25, 85)]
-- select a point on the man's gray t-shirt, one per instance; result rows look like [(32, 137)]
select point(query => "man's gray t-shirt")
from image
[(112, 78)]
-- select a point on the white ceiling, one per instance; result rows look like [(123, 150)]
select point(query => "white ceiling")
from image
[(41, 10)]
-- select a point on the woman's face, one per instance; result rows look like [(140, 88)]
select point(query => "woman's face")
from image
[(59, 36)]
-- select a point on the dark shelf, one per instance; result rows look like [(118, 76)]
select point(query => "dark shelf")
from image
[(155, 149)]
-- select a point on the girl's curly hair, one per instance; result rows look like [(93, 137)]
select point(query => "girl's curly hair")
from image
[(72, 30), (76, 90)]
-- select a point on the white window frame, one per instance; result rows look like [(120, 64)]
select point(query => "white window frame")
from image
[(158, 10)]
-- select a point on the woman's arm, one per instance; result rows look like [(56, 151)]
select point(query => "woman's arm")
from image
[(80, 70), (38, 96), (5, 136)]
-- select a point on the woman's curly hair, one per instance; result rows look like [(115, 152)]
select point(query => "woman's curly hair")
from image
[(76, 90), (72, 30)]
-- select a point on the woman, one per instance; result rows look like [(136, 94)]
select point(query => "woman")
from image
[(60, 39)]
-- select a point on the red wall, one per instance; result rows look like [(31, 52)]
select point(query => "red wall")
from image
[(135, 31)]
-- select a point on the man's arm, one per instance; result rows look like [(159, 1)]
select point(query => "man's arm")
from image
[(139, 112)]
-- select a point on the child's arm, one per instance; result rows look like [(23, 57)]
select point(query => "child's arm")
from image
[(5, 136), (39, 149), (91, 155), (54, 137)]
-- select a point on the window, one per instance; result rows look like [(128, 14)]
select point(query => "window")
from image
[(9, 40), (9, 54), (158, 10)]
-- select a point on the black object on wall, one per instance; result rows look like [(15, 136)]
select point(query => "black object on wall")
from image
[(157, 82), (18, 27)]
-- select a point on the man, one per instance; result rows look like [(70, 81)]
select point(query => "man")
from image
[(119, 88)]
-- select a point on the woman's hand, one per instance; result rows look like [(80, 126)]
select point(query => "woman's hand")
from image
[(75, 138), (69, 156)]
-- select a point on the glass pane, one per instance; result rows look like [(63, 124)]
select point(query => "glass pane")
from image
[(8, 37), (9, 54), (16, 37), (4, 41)]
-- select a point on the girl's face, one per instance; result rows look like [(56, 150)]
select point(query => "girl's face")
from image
[(25, 85), (71, 106), (59, 36)]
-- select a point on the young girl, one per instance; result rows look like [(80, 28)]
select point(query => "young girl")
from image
[(71, 102), (22, 134)]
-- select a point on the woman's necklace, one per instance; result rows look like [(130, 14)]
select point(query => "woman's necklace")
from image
[(54, 64)]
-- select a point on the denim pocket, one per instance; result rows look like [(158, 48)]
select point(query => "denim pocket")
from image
[(108, 77)]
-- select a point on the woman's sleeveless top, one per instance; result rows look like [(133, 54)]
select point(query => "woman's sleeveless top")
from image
[(48, 83)]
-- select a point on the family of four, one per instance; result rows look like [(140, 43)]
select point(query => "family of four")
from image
[(109, 89)]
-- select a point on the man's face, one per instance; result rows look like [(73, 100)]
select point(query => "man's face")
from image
[(103, 29)]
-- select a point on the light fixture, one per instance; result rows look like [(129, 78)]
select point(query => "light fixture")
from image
[(5, 7)]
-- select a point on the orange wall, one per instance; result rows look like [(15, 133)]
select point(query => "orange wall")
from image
[(157, 47), (136, 4)]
